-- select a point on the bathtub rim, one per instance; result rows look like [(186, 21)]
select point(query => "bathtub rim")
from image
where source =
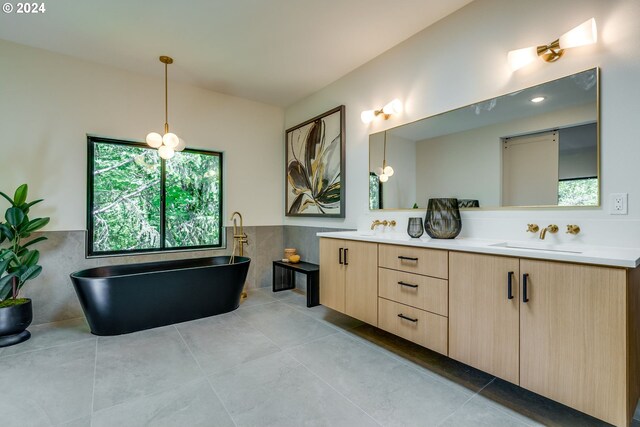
[(75, 274)]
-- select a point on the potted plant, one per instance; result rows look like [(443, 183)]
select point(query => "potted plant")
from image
[(18, 264)]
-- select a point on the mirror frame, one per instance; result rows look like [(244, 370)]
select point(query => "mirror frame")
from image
[(496, 208)]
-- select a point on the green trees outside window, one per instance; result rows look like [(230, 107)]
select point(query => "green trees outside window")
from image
[(138, 202)]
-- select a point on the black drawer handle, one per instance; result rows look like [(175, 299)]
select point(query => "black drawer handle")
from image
[(406, 258), (409, 285), (402, 316), (346, 254), (340, 252), (509, 285), (525, 279)]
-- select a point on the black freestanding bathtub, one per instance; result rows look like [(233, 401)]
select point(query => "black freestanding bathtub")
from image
[(120, 299)]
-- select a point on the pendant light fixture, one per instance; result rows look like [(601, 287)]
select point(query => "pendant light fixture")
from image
[(385, 171), (168, 143)]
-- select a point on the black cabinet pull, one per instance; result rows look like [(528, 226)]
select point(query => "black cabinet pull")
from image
[(402, 316), (407, 284), (406, 258), (340, 255), (509, 285), (525, 278), (346, 259)]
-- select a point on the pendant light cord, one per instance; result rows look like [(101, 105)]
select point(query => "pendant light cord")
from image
[(384, 152), (166, 100)]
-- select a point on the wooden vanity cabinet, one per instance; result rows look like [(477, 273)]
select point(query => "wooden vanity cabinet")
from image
[(569, 336), (484, 313), (349, 278)]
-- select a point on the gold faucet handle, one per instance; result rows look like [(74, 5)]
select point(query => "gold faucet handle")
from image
[(553, 228), (573, 229), (392, 223), (532, 228)]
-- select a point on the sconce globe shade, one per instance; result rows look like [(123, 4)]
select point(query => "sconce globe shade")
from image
[(394, 107), (367, 116), (181, 145), (383, 178), (522, 57), (388, 171), (582, 35), (171, 140), (379, 171), (154, 139), (166, 152)]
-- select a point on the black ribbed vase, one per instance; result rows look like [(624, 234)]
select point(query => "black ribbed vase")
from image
[(443, 219)]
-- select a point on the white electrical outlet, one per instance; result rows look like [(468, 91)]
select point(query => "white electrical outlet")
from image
[(618, 203)]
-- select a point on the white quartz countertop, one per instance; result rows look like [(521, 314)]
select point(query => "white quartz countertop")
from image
[(599, 255)]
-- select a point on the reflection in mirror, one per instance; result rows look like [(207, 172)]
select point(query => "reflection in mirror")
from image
[(535, 147)]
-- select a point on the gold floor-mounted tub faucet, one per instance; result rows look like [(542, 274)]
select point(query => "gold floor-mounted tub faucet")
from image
[(239, 239)]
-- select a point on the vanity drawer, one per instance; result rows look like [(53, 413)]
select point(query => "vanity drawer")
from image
[(419, 326), (429, 262), (423, 292)]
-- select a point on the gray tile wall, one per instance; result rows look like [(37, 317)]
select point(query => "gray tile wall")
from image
[(54, 298)]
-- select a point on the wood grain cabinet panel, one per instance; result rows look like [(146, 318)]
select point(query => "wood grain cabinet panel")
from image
[(349, 278), (573, 335), (361, 282), (423, 292), (429, 262), (332, 275), (419, 326), (483, 320)]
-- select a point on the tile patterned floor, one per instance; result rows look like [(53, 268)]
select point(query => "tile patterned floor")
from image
[(272, 362)]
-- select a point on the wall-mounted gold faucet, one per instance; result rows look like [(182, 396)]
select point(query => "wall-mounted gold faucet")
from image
[(384, 223), (239, 236), (550, 228)]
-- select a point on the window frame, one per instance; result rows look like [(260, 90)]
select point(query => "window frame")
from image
[(90, 253)]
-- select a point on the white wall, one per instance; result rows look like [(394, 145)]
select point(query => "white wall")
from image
[(49, 102), (463, 59)]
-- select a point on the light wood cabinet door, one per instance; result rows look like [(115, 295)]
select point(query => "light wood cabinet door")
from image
[(483, 320), (332, 274), (572, 336), (361, 281)]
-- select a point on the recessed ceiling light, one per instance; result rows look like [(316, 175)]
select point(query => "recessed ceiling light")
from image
[(538, 99)]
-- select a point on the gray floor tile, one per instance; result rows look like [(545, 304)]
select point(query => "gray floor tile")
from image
[(193, 404), (423, 359), (328, 316), (478, 413), (256, 297), (79, 422), (137, 364), (389, 391), (52, 334), (278, 391), (221, 342), (49, 386), (284, 325), (533, 408)]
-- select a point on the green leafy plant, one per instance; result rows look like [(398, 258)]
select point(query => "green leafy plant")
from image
[(18, 263)]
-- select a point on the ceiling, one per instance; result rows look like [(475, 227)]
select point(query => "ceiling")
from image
[(273, 51)]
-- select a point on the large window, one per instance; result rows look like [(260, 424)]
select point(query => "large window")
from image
[(138, 202)]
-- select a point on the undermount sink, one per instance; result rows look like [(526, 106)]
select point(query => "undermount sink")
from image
[(535, 247)]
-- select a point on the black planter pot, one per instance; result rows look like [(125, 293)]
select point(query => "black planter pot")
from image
[(14, 321)]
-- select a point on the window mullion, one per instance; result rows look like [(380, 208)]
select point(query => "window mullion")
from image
[(163, 200)]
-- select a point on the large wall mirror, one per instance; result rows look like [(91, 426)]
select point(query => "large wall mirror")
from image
[(534, 147)]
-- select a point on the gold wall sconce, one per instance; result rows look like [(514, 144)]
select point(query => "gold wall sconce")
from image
[(582, 35), (393, 107)]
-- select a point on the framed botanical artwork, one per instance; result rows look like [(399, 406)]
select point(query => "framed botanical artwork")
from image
[(315, 166)]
